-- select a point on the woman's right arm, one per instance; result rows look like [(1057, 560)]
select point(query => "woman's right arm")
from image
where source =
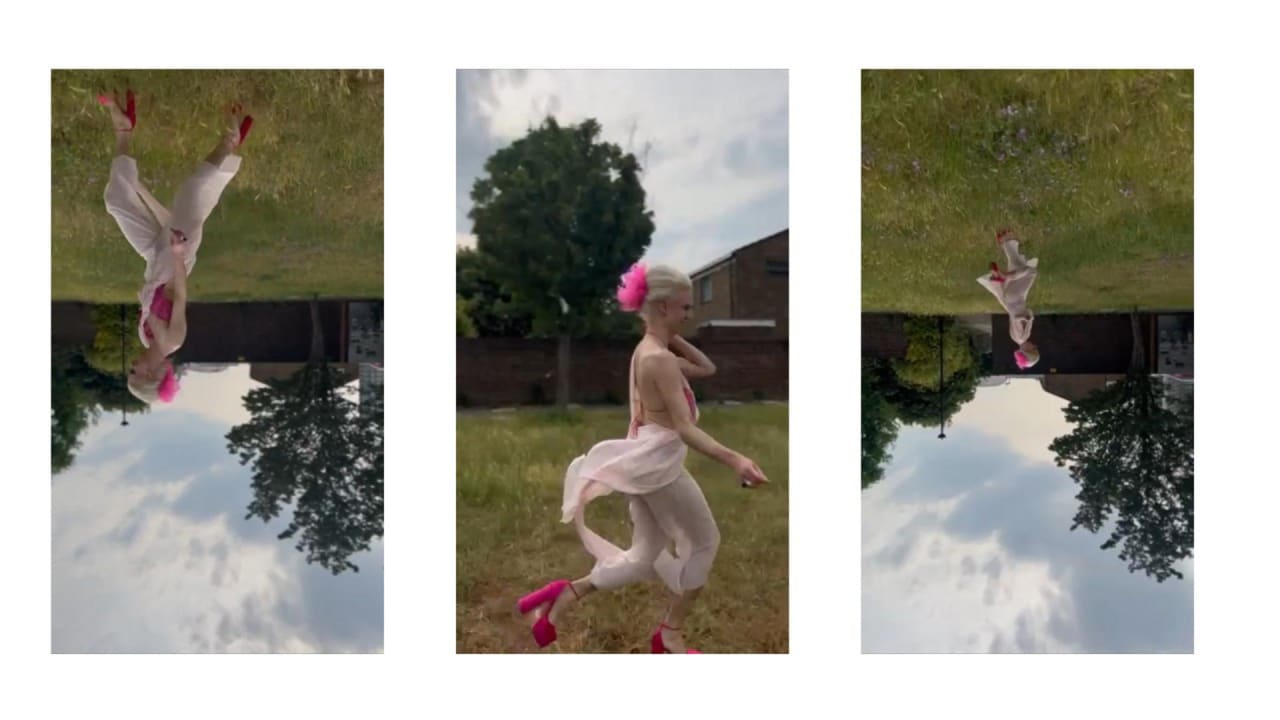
[(693, 362)]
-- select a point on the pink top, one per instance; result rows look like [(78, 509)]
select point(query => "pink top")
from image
[(161, 307)]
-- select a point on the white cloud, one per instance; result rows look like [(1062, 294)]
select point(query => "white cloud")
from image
[(134, 572), (466, 240), (927, 591), (703, 131)]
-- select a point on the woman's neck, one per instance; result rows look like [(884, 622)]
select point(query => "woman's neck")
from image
[(660, 334), (154, 356)]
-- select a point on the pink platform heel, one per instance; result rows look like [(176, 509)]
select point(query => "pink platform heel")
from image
[(130, 106), (996, 275), (246, 124), (544, 633), (656, 645)]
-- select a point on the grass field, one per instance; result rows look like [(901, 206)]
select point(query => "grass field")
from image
[(1093, 169), (510, 540), (303, 217)]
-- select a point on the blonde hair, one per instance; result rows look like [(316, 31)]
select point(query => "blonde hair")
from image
[(664, 282), (162, 389), (146, 391)]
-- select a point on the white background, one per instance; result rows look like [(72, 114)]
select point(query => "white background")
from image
[(420, 45)]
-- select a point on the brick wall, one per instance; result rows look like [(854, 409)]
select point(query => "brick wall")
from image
[(1072, 343), (719, 307), (759, 293), (229, 332), (514, 371), (884, 336)]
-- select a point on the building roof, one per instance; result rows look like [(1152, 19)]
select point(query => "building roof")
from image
[(726, 258)]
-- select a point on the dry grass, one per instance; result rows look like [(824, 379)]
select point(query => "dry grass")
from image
[(509, 540), (303, 217), (1092, 168)]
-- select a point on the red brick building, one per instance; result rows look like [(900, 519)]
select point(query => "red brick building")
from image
[(745, 291)]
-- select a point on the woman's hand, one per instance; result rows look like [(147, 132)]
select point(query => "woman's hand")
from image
[(178, 244), (748, 472), (693, 362)]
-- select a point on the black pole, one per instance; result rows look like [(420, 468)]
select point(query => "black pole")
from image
[(942, 420), (123, 371)]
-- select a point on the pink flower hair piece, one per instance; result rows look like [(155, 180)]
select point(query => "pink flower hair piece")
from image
[(168, 384), (1021, 359), (633, 288)]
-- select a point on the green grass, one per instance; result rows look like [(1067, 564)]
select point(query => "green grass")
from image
[(303, 217), (510, 540), (1093, 169)]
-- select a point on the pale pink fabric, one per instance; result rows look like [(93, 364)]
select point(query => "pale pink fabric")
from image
[(1012, 293), (665, 502), (146, 223)]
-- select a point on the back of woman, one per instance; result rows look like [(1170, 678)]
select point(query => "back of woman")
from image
[(652, 399)]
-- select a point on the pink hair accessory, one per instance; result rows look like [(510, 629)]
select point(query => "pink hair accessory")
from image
[(1021, 359), (168, 384), (634, 288)]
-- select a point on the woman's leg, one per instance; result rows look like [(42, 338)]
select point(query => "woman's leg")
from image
[(682, 512), (1015, 260), (200, 192), (121, 197), (632, 565)]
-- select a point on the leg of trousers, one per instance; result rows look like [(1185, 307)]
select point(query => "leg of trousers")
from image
[(677, 512), (123, 203)]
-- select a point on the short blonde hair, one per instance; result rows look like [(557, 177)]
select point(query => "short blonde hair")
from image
[(151, 391), (664, 283)]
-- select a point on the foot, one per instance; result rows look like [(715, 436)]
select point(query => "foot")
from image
[(673, 640), (120, 111), (560, 604), (232, 136)]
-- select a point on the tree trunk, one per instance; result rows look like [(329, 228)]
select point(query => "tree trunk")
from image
[(562, 372), (317, 333), (562, 356), (1137, 360)]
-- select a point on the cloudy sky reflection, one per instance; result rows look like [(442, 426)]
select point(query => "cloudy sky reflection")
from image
[(151, 551), (966, 546)]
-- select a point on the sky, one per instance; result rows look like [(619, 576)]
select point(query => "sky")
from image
[(151, 551), (715, 169), (966, 546)]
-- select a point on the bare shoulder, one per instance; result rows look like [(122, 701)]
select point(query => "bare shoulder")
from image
[(657, 360)]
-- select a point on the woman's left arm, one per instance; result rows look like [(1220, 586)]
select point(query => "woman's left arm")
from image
[(177, 330), (693, 362)]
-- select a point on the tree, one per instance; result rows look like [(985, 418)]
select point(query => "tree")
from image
[(558, 216), (311, 448), (111, 333), (489, 309), (922, 406), (879, 427), (466, 328), (1133, 458), (79, 394), (920, 367)]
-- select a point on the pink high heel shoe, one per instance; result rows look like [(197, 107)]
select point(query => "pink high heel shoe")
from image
[(996, 275), (657, 646), (130, 106), (245, 125), (544, 633)]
